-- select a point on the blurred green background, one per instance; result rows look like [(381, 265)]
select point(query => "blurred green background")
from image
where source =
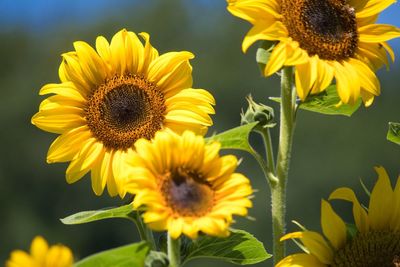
[(328, 151)]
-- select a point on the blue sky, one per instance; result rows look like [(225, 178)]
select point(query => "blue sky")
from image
[(39, 15)]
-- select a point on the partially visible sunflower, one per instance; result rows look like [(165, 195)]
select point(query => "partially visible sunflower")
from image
[(323, 39), (376, 242), (109, 99), (41, 255), (184, 186)]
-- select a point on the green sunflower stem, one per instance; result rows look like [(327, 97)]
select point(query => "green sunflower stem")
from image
[(144, 231), (174, 251), (278, 189)]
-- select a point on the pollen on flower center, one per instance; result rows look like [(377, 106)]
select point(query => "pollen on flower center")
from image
[(327, 28), (371, 249), (125, 109), (187, 193)]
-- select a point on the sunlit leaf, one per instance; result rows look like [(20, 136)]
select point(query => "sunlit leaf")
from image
[(326, 102), (125, 256), (96, 215), (393, 133), (236, 138), (239, 248)]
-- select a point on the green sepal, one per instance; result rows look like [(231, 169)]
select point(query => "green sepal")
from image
[(393, 133), (125, 256), (156, 259), (326, 103), (96, 215), (240, 248), (236, 138), (264, 53), (351, 230)]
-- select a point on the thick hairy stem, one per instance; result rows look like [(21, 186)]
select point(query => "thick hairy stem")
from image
[(278, 189), (174, 251)]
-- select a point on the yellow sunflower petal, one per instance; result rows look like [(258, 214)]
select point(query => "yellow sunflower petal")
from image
[(373, 54), (368, 79), (175, 227), (58, 120), (103, 49), (395, 221), (381, 201), (71, 70), (254, 10), (39, 248), (118, 55), (91, 63), (300, 260), (376, 33), (347, 82), (373, 7), (20, 258), (66, 89), (134, 52), (305, 77), (204, 99), (80, 165), (67, 145), (332, 225), (276, 60), (264, 31), (315, 244), (359, 214), (149, 54)]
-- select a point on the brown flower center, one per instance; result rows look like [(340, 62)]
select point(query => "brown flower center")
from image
[(327, 28), (371, 249), (187, 193), (125, 109)]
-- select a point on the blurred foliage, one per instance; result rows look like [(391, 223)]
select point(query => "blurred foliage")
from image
[(328, 152)]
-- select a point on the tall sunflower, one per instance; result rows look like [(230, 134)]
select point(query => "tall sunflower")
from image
[(184, 186), (110, 98), (323, 39), (41, 255), (376, 242)]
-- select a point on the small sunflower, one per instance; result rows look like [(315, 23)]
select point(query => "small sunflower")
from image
[(41, 255), (110, 98), (376, 243), (184, 185), (323, 39)]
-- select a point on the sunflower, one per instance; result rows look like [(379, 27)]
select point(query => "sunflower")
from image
[(184, 186), (376, 241), (109, 99), (323, 39), (41, 255)]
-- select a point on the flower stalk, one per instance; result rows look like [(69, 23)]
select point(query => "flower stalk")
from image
[(174, 251), (278, 189)]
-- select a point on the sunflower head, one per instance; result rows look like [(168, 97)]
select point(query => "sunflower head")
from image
[(324, 40), (113, 96), (376, 241), (184, 186), (41, 255)]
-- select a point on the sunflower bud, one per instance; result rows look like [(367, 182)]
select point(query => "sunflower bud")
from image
[(261, 113)]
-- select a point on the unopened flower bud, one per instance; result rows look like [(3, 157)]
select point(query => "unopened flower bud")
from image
[(261, 113)]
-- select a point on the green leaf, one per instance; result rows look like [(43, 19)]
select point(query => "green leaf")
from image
[(264, 53), (125, 256), (96, 215), (326, 103), (156, 259), (239, 248), (393, 133), (236, 138)]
